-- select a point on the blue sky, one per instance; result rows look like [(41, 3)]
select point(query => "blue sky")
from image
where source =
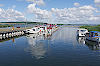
[(22, 4), (37, 12)]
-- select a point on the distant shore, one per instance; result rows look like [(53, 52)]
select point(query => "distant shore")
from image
[(3, 26), (92, 28)]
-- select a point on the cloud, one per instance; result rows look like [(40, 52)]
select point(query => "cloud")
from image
[(11, 15), (97, 2), (1, 5), (37, 2), (79, 14), (84, 14), (76, 4), (39, 13)]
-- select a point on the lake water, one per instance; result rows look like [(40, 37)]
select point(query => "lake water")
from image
[(63, 48)]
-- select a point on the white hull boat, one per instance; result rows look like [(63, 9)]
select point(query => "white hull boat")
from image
[(82, 32), (33, 30)]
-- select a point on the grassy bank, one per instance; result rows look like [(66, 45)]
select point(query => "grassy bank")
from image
[(92, 28), (2, 26)]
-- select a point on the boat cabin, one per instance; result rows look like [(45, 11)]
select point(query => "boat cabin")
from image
[(82, 32), (33, 30)]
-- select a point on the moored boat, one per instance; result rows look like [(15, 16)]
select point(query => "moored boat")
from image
[(93, 36), (82, 32), (33, 30)]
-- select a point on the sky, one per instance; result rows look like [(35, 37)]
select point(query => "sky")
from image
[(51, 11)]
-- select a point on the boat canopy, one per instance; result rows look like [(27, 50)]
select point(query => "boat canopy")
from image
[(94, 34)]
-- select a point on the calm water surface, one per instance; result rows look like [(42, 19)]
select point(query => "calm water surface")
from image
[(63, 48)]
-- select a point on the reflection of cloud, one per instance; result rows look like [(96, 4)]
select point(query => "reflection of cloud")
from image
[(36, 47), (38, 50), (32, 39)]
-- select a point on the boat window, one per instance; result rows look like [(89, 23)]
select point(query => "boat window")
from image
[(44, 28), (37, 29), (87, 34), (33, 29), (91, 34), (83, 30), (96, 34), (41, 27)]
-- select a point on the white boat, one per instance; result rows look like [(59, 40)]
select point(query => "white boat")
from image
[(33, 30), (82, 32), (43, 29), (94, 36)]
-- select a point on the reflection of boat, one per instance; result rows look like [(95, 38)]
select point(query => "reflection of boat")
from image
[(82, 32), (33, 30), (81, 40), (94, 36), (32, 38), (93, 45), (36, 48)]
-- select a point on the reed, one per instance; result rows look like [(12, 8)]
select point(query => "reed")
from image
[(92, 28), (2, 26)]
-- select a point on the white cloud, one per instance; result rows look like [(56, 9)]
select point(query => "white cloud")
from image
[(84, 14), (81, 14), (97, 2), (37, 2), (39, 13), (76, 4), (11, 15)]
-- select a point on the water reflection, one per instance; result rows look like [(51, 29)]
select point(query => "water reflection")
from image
[(92, 45), (12, 38), (36, 45), (81, 40)]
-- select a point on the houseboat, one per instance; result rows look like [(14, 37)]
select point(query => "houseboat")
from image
[(93, 36), (82, 32), (33, 30), (43, 29)]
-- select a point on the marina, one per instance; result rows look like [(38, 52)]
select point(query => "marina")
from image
[(50, 33), (63, 47), (39, 29)]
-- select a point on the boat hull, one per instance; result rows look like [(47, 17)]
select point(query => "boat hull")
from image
[(95, 39)]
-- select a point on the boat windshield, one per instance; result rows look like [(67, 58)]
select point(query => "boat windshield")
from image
[(83, 30), (97, 34)]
